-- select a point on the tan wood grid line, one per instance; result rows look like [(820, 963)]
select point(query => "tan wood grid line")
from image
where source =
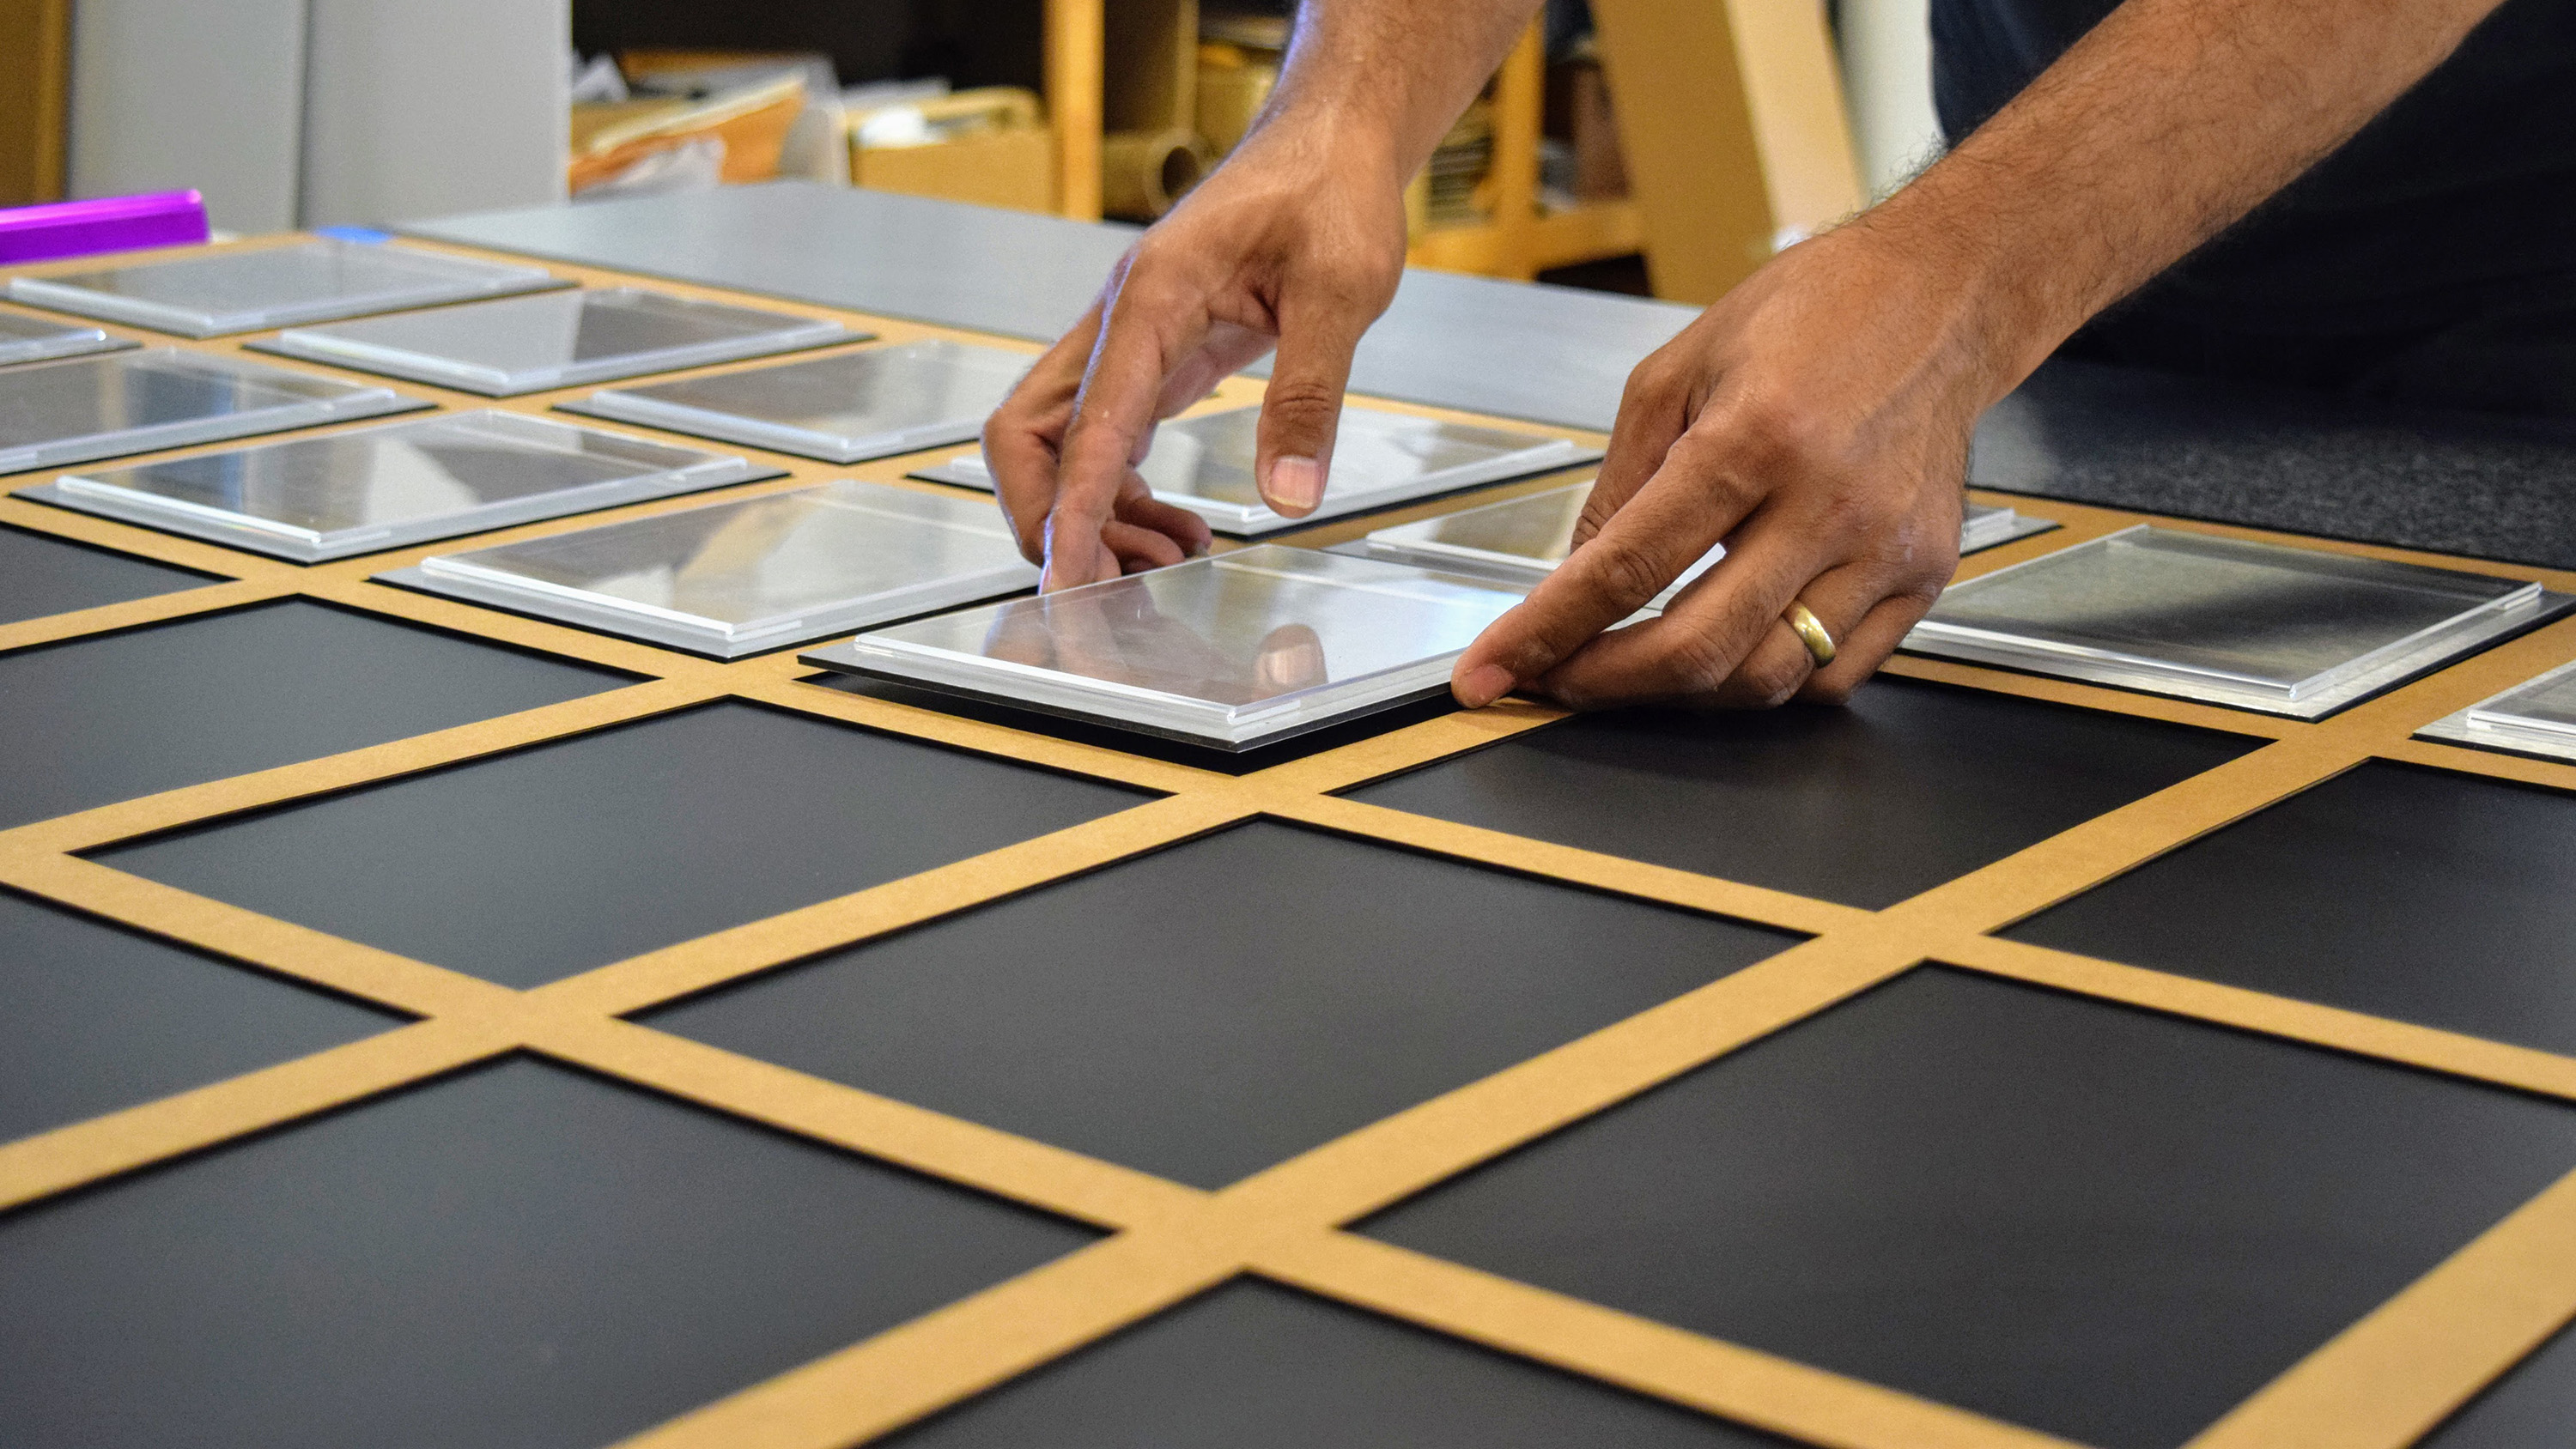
[(1756, 1388), (2381, 1382)]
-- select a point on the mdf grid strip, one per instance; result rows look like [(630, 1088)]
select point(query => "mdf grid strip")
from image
[(2381, 1382)]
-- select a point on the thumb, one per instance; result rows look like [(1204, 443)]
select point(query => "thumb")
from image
[(1303, 408)]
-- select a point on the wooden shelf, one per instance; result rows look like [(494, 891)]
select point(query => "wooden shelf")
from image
[(1588, 233)]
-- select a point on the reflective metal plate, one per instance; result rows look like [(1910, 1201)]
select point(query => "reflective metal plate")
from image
[(735, 578), (312, 499), (34, 339), (2261, 626), (847, 408), (245, 290), (2538, 718), (1234, 650), (556, 339), (135, 402)]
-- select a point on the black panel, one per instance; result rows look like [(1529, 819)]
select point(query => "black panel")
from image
[(1220, 1006), (99, 1018), (95, 721), (1908, 786), (2446, 900), (2095, 1221), (1253, 1366), (41, 575), (521, 1256), (2532, 1407), (552, 860), (1137, 742)]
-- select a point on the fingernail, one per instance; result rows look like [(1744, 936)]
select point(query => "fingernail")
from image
[(1296, 483), (1483, 685)]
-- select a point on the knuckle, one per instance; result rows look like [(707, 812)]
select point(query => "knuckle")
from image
[(1631, 575), (1772, 681), (1649, 380), (1697, 664), (1300, 404)]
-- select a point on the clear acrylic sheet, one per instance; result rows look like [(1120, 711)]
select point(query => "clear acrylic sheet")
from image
[(1204, 464), (1234, 650), (734, 578), (1521, 540), (213, 293), (2256, 625), (2538, 718), (35, 339), (872, 403), (136, 402), (312, 499), (554, 339)]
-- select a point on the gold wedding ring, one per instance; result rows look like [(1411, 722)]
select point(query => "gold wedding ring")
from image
[(1811, 632)]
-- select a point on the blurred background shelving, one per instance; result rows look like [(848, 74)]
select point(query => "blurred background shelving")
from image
[(1670, 145)]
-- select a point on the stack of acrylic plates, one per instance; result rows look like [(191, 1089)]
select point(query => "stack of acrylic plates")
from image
[(2255, 625), (847, 408), (560, 339), (1231, 651), (35, 339), (136, 402), (312, 499), (2538, 718), (735, 578), (248, 289)]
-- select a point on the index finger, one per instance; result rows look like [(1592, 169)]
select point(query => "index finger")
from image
[(1144, 327), (1693, 500), (1020, 438)]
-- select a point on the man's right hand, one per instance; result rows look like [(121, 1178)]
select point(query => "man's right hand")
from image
[(1296, 243)]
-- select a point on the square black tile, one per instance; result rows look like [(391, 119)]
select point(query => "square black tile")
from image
[(1908, 786), (1255, 1366), (41, 575), (97, 720), (534, 865), (100, 1018), (2532, 1406), (522, 1255), (1213, 1008), (2095, 1221), (2440, 899)]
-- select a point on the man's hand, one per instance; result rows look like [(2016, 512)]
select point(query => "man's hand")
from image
[(1287, 246), (1816, 420), (1295, 243)]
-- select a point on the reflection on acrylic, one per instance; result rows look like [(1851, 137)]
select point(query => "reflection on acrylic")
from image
[(398, 483), (730, 578), (2262, 625), (96, 407), (871, 403), (242, 290), (555, 339), (1228, 650)]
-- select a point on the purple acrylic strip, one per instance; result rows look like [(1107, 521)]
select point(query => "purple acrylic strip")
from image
[(108, 224)]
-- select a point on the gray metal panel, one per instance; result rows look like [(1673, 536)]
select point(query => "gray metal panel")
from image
[(1514, 349), (1009, 272), (1550, 354)]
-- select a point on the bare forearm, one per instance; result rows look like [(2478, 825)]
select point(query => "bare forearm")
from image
[(1391, 77), (2170, 121)]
